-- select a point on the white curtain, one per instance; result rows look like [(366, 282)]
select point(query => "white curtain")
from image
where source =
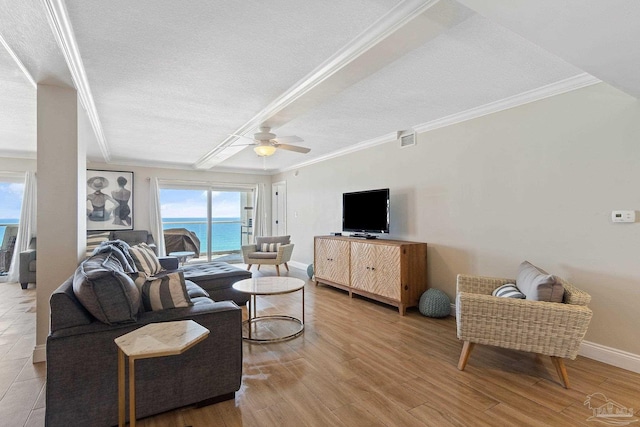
[(27, 227), (260, 212), (155, 216)]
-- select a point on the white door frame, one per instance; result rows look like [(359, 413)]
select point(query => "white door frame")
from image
[(279, 228)]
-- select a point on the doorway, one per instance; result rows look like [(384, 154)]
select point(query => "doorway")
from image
[(279, 208)]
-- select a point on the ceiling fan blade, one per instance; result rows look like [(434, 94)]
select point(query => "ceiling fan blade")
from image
[(295, 148), (288, 139)]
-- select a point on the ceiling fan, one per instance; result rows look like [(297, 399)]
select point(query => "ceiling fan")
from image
[(266, 143)]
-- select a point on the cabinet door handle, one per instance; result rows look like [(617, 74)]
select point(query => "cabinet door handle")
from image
[(373, 268)]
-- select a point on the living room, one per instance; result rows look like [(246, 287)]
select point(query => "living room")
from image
[(535, 178)]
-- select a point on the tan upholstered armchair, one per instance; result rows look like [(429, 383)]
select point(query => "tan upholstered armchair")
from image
[(275, 250), (549, 328)]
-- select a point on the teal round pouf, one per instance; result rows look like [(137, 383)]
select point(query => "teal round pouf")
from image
[(434, 303), (310, 271)]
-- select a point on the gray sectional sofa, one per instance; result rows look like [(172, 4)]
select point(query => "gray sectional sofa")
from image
[(27, 272), (82, 370)]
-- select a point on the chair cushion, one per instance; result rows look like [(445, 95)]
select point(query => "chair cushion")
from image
[(105, 290), (145, 259), (508, 290), (263, 255), (167, 291), (537, 284)]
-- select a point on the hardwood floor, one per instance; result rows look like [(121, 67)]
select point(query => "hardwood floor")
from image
[(358, 363)]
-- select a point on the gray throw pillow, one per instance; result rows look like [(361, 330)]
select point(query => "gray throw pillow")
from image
[(103, 288), (537, 284), (166, 291), (282, 240)]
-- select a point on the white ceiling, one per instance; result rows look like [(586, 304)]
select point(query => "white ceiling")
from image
[(166, 82)]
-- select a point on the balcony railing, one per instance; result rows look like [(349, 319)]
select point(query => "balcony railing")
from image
[(226, 234)]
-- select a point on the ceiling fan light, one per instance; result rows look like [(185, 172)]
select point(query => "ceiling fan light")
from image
[(264, 150)]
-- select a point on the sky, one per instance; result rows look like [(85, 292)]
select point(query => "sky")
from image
[(10, 200), (193, 204)]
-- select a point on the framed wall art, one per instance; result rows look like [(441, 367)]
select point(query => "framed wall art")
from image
[(109, 200)]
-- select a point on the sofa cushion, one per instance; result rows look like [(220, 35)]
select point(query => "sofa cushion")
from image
[(145, 259), (537, 284), (103, 288), (168, 291), (263, 255), (132, 237), (94, 240), (194, 290)]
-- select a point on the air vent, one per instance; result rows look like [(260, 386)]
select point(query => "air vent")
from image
[(407, 138)]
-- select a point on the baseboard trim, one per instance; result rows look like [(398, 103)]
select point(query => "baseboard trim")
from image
[(40, 353), (602, 353), (298, 265), (610, 356)]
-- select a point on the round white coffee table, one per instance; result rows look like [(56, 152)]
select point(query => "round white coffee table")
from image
[(271, 285)]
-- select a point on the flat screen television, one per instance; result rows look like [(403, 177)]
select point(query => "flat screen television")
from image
[(366, 212)]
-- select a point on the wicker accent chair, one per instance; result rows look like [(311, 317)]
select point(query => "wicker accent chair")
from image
[(253, 254), (547, 328)]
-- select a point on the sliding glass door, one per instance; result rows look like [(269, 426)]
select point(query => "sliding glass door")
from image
[(217, 220)]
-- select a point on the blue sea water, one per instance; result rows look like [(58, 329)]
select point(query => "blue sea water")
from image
[(225, 231), (3, 228)]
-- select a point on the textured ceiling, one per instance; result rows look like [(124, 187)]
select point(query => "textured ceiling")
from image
[(172, 80), (18, 110)]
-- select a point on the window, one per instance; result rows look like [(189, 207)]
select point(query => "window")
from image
[(11, 191), (220, 218)]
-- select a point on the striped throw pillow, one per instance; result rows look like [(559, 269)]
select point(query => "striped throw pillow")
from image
[(269, 247), (508, 290), (169, 291), (145, 259), (94, 240)]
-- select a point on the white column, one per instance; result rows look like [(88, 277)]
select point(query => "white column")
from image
[(61, 192)]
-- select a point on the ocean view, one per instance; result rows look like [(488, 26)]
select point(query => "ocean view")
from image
[(225, 231)]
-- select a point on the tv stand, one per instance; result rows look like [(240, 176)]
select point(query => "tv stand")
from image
[(390, 271), (364, 236)]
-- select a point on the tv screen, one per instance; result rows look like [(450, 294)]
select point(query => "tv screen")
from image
[(366, 211)]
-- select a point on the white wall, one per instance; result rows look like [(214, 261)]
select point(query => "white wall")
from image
[(536, 182)]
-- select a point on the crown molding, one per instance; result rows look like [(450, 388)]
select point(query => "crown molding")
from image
[(556, 88), (350, 149), (388, 24), (18, 62), (63, 33)]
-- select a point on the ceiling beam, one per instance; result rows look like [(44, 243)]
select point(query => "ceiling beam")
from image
[(402, 29), (18, 62), (63, 32)]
